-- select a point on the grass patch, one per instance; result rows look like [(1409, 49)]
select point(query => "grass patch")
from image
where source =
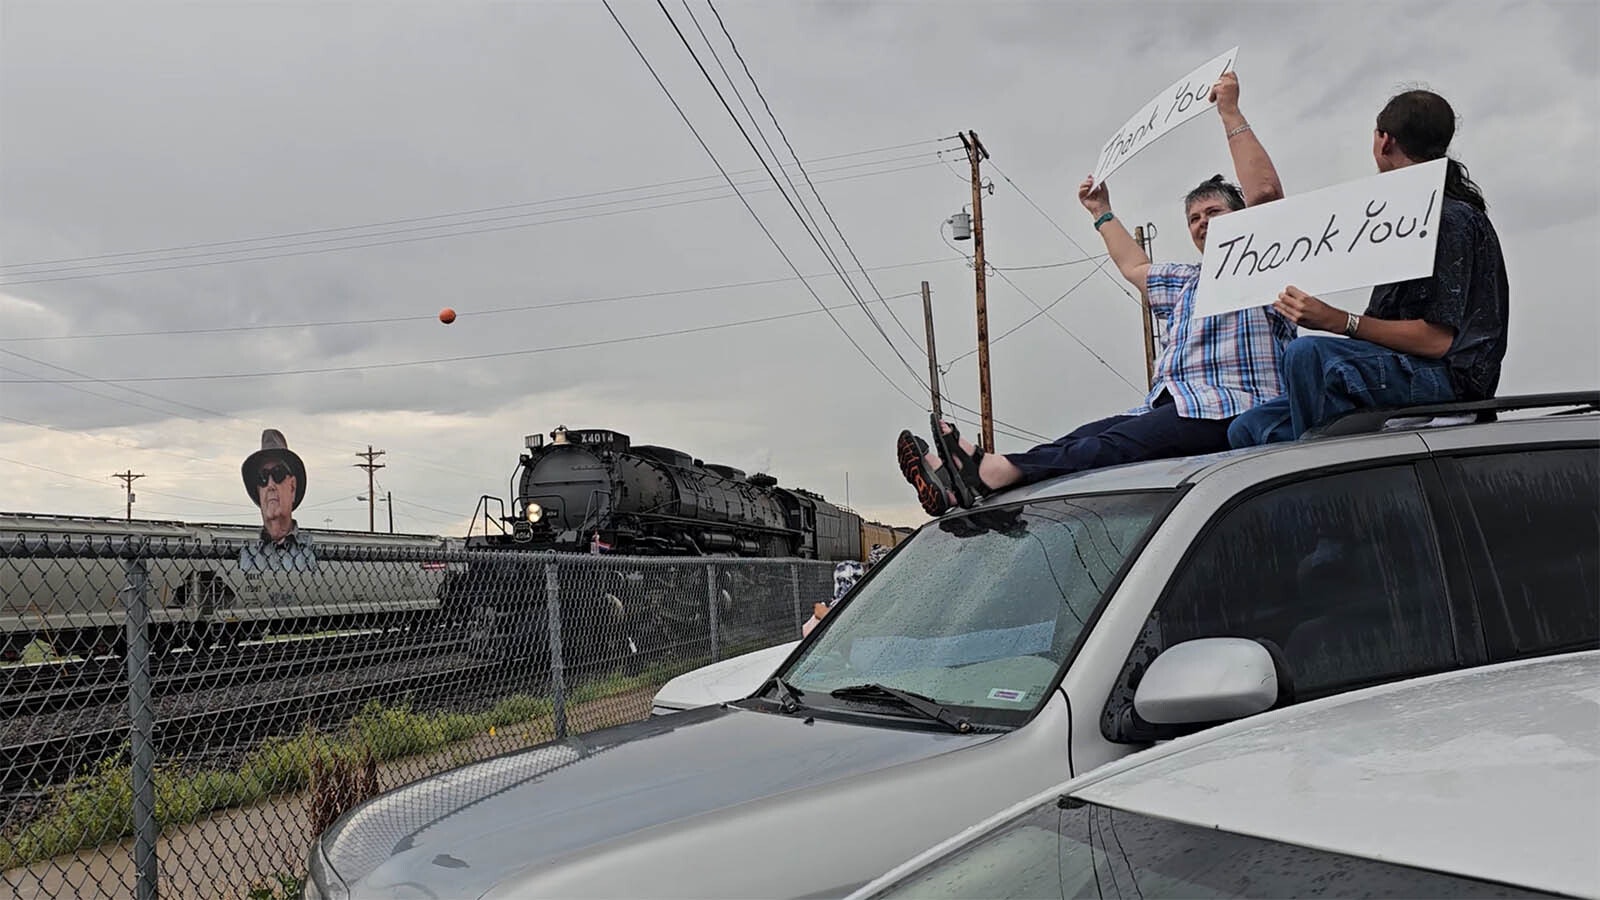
[(98, 806), (288, 887)]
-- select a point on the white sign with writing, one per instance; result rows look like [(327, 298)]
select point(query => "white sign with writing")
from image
[(1188, 97), (1371, 231)]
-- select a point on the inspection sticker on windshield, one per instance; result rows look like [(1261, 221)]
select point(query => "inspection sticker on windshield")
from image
[(1006, 694)]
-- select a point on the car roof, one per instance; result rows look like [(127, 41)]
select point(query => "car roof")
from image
[(1167, 474), (1489, 773)]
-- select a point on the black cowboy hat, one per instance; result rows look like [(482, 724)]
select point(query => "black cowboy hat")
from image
[(273, 446)]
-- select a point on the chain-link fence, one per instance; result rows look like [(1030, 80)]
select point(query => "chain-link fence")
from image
[(184, 716)]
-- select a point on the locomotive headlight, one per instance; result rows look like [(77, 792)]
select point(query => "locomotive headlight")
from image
[(534, 513)]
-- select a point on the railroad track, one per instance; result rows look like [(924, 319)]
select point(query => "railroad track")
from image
[(33, 690), (58, 758)]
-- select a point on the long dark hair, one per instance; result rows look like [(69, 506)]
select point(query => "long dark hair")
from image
[(1216, 186), (1423, 124)]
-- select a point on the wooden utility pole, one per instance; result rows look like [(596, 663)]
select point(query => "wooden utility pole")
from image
[(1145, 242), (371, 465), (389, 499), (933, 358), (975, 155), (128, 479)]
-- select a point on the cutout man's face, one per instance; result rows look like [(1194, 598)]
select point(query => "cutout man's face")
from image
[(275, 488)]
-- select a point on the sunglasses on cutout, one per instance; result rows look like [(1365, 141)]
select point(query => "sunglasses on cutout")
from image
[(276, 473)]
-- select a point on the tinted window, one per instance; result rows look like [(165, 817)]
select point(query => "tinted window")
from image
[(1341, 573), (1538, 515), (980, 610), (1096, 851)]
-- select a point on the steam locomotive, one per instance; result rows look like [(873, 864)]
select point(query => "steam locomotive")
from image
[(591, 490)]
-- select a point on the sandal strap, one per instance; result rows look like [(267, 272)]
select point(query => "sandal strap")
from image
[(963, 466)]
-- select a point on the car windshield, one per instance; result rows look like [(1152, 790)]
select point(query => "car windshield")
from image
[(1066, 848), (980, 610)]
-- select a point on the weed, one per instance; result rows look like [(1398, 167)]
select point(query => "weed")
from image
[(288, 887)]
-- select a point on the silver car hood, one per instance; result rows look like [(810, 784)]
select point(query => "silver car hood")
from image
[(507, 820)]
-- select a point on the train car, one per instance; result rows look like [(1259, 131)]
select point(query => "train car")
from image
[(61, 584), (877, 533), (594, 490)]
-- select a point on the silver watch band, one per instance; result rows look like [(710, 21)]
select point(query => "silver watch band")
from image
[(1351, 323)]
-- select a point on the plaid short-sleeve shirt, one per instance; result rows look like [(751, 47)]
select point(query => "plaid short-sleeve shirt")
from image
[(1215, 367)]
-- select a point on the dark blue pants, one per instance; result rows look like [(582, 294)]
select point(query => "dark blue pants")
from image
[(1158, 434), (1328, 376)]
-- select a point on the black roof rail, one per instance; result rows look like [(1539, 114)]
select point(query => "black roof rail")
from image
[(1368, 421)]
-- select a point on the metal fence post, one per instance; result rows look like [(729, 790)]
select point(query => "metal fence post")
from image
[(141, 715), (558, 683), (711, 607), (794, 582)]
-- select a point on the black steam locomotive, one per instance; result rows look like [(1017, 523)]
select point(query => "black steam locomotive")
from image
[(591, 490)]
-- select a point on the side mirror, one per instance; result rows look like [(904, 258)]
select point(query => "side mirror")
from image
[(1207, 680)]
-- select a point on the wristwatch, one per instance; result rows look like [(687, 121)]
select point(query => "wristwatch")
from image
[(1351, 323)]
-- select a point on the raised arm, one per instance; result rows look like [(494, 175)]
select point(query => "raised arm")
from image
[(1251, 164), (1125, 251)]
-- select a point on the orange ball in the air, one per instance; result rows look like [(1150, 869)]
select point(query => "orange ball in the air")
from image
[(447, 315)]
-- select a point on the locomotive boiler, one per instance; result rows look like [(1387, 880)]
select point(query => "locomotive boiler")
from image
[(589, 490)]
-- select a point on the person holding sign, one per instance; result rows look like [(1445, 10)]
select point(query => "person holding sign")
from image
[(1212, 369), (1428, 340)]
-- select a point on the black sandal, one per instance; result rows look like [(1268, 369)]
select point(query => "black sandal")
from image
[(911, 452), (965, 483)]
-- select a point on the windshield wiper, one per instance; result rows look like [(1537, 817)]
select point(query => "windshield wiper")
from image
[(788, 695), (927, 706)]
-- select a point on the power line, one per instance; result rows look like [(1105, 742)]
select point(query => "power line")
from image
[(466, 222), (98, 483), (119, 445), (1047, 217), (474, 313), (814, 234), (86, 378), (400, 240), (1042, 311), (791, 202), (1080, 341), (773, 240), (6, 267), (801, 166), (449, 359)]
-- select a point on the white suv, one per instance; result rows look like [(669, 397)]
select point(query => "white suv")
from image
[(1001, 650)]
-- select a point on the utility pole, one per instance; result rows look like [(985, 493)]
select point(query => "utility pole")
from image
[(1145, 236), (389, 499), (128, 479), (975, 155), (933, 358), (371, 465)]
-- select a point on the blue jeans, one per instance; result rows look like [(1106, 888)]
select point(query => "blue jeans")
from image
[(1327, 377), (1157, 434)]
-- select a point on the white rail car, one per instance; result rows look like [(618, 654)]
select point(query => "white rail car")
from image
[(61, 583)]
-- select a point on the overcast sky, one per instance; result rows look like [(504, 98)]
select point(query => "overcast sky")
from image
[(184, 189)]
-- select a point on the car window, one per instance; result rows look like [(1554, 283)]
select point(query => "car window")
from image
[(1340, 572), (980, 610), (1538, 575), (1096, 851)]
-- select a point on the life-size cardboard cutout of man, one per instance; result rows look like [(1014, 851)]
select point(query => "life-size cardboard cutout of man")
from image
[(275, 479)]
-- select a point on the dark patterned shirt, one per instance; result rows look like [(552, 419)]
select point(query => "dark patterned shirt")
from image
[(292, 554), (1467, 293)]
